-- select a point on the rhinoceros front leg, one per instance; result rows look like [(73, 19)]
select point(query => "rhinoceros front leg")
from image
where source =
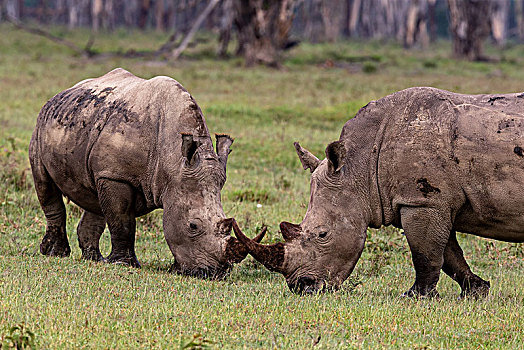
[(427, 231), (55, 241), (456, 267), (117, 200), (89, 230)]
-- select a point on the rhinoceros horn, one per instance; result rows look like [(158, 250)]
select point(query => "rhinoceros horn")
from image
[(271, 256), (307, 158), (236, 251)]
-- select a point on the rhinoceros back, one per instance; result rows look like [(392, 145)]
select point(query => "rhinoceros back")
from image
[(119, 127), (464, 152)]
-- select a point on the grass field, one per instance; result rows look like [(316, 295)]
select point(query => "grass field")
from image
[(70, 303)]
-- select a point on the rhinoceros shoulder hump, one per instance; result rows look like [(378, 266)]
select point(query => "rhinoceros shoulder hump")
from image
[(170, 85), (118, 73), (111, 78)]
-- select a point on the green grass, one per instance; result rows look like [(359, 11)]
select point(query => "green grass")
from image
[(70, 303)]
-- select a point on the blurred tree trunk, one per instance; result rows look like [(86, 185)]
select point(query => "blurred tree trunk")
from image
[(354, 15), (333, 16), (383, 19), (432, 20), (263, 29), (21, 8), (130, 12), (96, 13), (108, 15), (73, 11), (159, 15), (328, 19), (519, 14), (470, 26), (61, 13), (499, 21), (145, 5), (416, 24), (225, 26), (12, 9), (313, 20), (412, 20), (170, 15), (42, 11), (72, 18)]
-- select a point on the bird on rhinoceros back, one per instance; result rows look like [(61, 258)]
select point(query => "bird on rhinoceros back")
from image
[(119, 147), (428, 161)]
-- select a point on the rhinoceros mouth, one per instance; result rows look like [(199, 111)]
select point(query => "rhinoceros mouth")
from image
[(307, 285), (234, 252)]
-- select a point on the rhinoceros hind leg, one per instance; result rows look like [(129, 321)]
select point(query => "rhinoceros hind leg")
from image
[(427, 232), (456, 267), (55, 241), (117, 200), (89, 230)]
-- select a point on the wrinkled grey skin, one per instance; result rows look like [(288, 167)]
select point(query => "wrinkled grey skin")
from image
[(119, 147), (426, 160)]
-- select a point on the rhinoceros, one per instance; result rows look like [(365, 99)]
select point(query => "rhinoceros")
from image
[(428, 161), (119, 147)]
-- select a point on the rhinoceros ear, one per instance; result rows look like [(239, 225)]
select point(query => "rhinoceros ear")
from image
[(290, 231), (336, 153), (223, 147), (189, 149), (307, 158)]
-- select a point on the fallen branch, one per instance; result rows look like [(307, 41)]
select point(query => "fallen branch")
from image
[(168, 45), (183, 45), (85, 52)]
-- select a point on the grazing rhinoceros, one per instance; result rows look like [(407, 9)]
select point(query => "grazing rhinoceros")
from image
[(426, 160), (119, 147)]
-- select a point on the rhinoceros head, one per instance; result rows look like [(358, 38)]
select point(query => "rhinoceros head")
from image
[(322, 251), (195, 227)]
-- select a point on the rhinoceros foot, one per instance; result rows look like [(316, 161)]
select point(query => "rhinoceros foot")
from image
[(475, 288), (416, 292), (128, 259), (92, 254), (55, 242)]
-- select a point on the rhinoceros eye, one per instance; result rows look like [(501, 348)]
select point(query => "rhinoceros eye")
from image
[(323, 234), (196, 227)]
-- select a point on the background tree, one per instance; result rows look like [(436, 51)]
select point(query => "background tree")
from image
[(225, 27), (145, 6), (416, 23), (13, 8), (519, 18), (262, 29), (333, 15), (469, 26), (96, 12), (499, 21)]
